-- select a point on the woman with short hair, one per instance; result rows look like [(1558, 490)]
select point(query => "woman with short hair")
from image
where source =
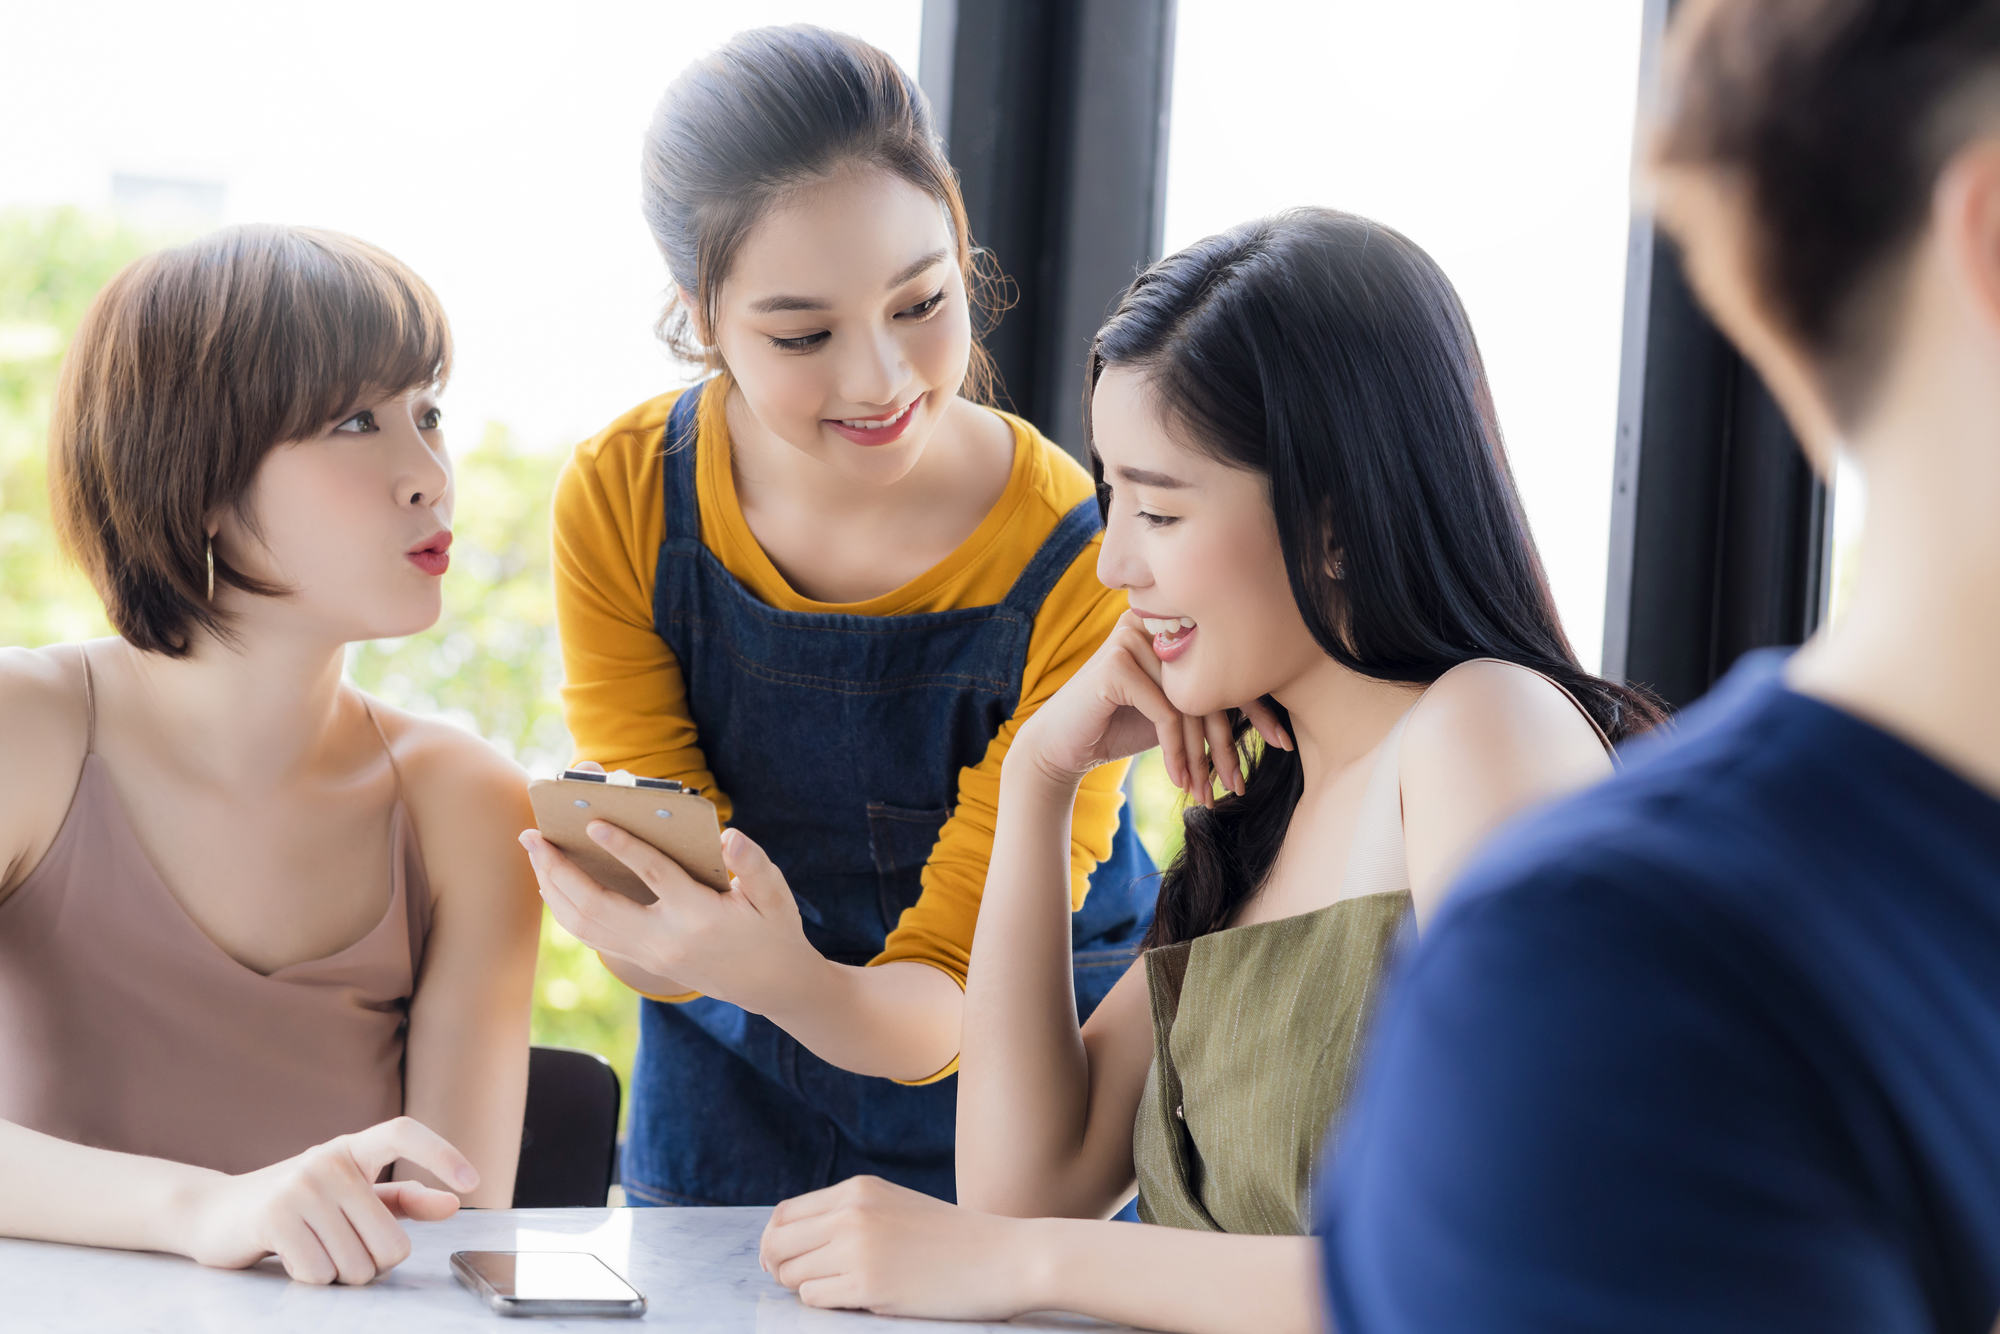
[(261, 937)]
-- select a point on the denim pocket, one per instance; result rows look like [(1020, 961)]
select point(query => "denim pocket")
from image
[(902, 840)]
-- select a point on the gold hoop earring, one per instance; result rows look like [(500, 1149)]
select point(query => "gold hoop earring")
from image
[(211, 569)]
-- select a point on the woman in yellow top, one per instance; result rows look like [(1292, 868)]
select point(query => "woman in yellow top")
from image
[(825, 587)]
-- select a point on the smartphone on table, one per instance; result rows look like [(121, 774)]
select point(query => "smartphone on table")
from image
[(548, 1283), (656, 811)]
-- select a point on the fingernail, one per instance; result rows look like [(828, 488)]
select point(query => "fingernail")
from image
[(732, 842), (465, 1177), (599, 831)]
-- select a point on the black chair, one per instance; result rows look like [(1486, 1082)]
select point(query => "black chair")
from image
[(569, 1138)]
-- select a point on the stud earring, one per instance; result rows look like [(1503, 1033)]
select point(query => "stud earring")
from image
[(1340, 569), (211, 569)]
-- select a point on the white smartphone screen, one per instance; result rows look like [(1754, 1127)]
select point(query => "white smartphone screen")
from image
[(547, 1276)]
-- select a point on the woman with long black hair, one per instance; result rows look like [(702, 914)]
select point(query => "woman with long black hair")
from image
[(1307, 501)]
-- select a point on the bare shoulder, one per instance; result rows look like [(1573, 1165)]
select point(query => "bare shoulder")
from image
[(43, 721), (44, 735), (1496, 713), (439, 754), (468, 801), (1488, 741)]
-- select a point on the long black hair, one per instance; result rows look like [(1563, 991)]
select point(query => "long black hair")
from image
[(1331, 354)]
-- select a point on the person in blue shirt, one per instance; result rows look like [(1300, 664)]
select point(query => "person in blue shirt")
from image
[(1716, 1045)]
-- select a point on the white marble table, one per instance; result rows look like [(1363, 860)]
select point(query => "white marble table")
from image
[(697, 1267)]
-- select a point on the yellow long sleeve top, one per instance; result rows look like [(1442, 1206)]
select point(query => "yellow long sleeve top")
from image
[(626, 703)]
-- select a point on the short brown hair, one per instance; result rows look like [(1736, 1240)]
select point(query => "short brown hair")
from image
[(772, 110), (190, 366), (1836, 117)]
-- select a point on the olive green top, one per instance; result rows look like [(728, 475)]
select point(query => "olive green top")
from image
[(1258, 1029), (1256, 1034)]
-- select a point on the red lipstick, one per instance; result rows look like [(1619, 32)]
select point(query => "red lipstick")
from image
[(897, 423), (432, 555)]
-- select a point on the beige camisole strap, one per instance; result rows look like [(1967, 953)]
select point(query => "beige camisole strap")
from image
[(89, 703), (124, 1026), (1376, 860)]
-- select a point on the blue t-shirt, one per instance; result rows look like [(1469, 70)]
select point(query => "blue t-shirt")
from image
[(1713, 1046)]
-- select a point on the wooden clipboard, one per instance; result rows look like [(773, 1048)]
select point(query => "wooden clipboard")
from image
[(680, 824)]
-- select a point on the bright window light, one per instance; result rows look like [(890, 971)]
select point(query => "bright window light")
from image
[(1497, 134), (493, 148)]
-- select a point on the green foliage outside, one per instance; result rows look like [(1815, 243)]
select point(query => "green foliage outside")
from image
[(490, 664), (1156, 807), (51, 264)]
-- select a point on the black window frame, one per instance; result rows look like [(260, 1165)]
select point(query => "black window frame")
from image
[(1054, 113), (1721, 534)]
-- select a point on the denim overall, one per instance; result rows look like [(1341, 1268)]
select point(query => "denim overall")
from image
[(840, 739)]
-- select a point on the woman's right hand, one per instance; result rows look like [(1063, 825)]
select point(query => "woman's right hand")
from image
[(323, 1213), (1115, 706)]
